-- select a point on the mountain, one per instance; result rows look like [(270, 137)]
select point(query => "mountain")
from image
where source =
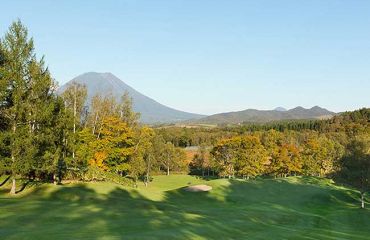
[(262, 116), (280, 109), (151, 111)]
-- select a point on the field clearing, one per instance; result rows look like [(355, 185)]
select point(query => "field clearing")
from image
[(291, 208)]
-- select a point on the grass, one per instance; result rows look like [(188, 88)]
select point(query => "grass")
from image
[(291, 208)]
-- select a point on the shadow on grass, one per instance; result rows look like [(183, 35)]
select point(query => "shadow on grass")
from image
[(23, 186), (5, 181), (259, 209), (205, 177)]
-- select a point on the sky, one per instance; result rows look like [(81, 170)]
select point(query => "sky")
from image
[(210, 56)]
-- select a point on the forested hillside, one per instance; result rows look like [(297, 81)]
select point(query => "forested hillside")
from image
[(264, 116)]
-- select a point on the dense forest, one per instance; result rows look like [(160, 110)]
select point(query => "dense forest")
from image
[(49, 137)]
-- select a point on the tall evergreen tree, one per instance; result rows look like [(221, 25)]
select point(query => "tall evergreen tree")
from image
[(27, 88)]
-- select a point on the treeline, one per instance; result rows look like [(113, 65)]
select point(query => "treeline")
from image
[(296, 125), (341, 150), (289, 152), (196, 136), (278, 154), (340, 122), (187, 137), (48, 137), (302, 147)]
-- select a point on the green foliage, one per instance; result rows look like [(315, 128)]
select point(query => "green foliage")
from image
[(94, 173), (184, 137), (28, 106), (355, 165), (126, 111), (202, 161)]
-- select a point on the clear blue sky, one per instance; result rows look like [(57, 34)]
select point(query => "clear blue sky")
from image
[(210, 56)]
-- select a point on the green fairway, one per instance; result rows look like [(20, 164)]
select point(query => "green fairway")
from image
[(291, 208)]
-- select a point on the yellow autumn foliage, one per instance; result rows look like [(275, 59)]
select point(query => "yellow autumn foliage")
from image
[(98, 160)]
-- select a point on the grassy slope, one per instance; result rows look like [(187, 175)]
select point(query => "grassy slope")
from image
[(292, 208)]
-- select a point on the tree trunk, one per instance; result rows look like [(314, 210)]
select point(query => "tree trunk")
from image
[(168, 170), (100, 128), (74, 110), (74, 119), (12, 190), (362, 200), (55, 179), (95, 122), (147, 172)]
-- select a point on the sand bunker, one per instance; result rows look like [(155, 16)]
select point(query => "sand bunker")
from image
[(199, 188)]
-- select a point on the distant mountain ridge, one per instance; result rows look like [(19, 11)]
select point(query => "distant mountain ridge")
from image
[(263, 116), (280, 109), (151, 111)]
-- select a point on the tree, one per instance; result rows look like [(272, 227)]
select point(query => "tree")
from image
[(26, 91), (158, 145), (52, 153), (96, 112), (108, 108), (180, 163), (356, 166), (142, 158), (74, 99), (201, 159), (102, 108), (244, 156), (114, 146), (320, 155), (5, 161), (251, 157), (287, 161), (126, 111), (168, 156), (225, 156)]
